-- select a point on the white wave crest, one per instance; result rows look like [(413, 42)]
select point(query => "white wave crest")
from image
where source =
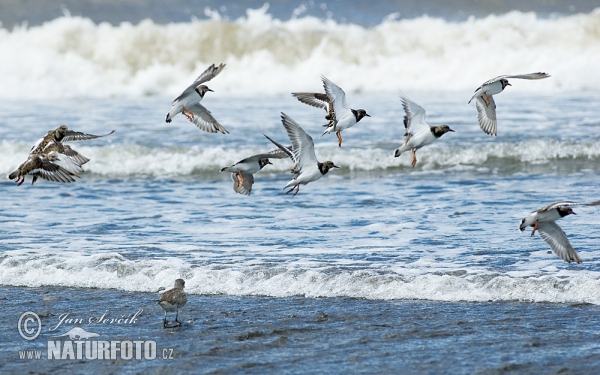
[(112, 270), (132, 160), (72, 56)]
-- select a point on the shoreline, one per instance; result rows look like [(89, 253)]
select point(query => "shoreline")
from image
[(228, 334)]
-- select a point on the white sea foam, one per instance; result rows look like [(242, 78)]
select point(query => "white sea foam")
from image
[(134, 160), (72, 56), (112, 270)]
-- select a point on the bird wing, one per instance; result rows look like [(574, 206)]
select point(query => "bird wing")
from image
[(486, 114), (537, 75), (246, 187), (567, 203), (204, 120), (53, 172), (414, 120), (287, 150), (275, 154), (557, 239), (71, 135), (337, 96), (210, 73), (303, 146), (314, 99), (76, 156)]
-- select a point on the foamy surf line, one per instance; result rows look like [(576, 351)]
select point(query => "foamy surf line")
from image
[(134, 160), (101, 60), (114, 271)]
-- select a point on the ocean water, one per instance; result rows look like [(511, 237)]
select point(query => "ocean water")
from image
[(376, 245)]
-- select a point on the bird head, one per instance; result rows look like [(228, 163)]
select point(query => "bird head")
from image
[(326, 166), (202, 89), (263, 162), (359, 114), (565, 210), (438, 131), (180, 283)]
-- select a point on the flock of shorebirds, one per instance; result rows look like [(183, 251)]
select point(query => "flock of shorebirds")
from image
[(53, 160)]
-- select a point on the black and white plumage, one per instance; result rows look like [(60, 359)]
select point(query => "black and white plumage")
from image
[(173, 300), (242, 172), (318, 100), (52, 160), (484, 101), (62, 134), (544, 221), (188, 103), (418, 132), (345, 117), (302, 153), (49, 167)]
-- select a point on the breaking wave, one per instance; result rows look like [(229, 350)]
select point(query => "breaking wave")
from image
[(73, 56)]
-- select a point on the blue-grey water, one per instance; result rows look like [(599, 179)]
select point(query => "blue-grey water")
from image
[(378, 267)]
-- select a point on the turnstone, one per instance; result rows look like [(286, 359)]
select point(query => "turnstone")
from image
[(418, 132), (62, 134), (543, 220), (486, 107), (48, 167), (345, 117), (242, 172), (318, 100), (307, 168), (70, 154), (188, 103), (173, 300)]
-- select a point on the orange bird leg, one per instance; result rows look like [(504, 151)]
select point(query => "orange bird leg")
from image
[(187, 113), (486, 99), (297, 189), (414, 161), (535, 227), (339, 135)]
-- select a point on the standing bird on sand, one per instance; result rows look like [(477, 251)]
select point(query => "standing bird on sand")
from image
[(188, 103), (486, 107), (418, 132), (543, 220), (308, 168), (345, 117), (173, 300)]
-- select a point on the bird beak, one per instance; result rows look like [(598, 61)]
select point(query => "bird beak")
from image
[(366, 114), (508, 84), (450, 130), (269, 162), (335, 166), (207, 89)]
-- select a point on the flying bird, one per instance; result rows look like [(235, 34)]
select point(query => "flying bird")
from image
[(49, 167), (302, 153), (188, 103), (318, 100), (544, 221), (484, 101), (345, 117), (418, 132), (242, 172)]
